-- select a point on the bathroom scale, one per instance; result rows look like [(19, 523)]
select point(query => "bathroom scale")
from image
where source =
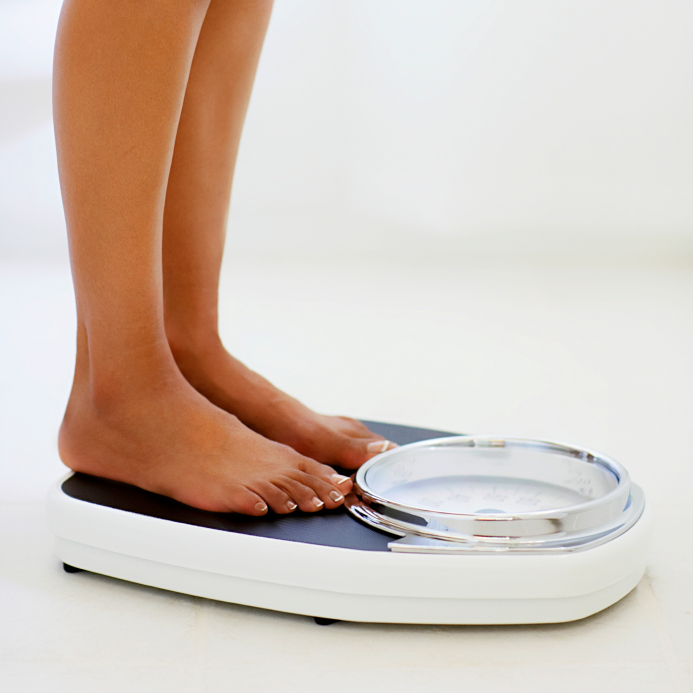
[(445, 529)]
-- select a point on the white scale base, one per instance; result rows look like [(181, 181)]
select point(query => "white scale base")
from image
[(346, 584)]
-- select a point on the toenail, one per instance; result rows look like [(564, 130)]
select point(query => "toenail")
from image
[(336, 496), (339, 479), (379, 446), (317, 503), (260, 507), (291, 505)]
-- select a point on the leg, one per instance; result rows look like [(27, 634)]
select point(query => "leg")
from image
[(121, 70), (195, 215)]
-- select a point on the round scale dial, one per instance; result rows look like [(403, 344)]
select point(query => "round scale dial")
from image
[(492, 492)]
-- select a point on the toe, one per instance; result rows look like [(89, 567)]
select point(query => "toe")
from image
[(329, 495), (356, 451), (242, 500), (279, 499), (309, 499), (322, 472)]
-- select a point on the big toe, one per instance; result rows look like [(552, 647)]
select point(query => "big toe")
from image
[(359, 450)]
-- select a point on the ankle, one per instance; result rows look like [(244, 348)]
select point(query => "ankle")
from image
[(189, 344), (107, 387)]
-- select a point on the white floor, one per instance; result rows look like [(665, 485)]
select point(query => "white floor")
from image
[(599, 357)]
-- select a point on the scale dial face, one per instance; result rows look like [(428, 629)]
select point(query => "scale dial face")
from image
[(488, 479), (484, 495), (512, 492)]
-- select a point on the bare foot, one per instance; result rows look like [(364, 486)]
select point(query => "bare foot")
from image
[(229, 384), (167, 438)]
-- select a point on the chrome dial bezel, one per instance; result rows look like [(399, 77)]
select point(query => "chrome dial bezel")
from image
[(571, 528)]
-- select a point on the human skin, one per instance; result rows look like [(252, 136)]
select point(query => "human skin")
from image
[(149, 102)]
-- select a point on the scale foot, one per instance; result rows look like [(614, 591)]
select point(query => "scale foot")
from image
[(325, 621), (70, 568)]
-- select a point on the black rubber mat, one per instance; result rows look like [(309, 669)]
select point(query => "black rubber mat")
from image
[(327, 528)]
